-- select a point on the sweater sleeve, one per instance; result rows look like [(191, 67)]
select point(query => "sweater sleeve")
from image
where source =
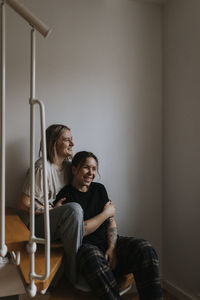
[(39, 191)]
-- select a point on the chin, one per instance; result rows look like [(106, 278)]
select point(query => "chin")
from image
[(69, 154), (88, 184)]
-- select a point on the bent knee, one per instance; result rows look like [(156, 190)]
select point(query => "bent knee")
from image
[(74, 209), (147, 249)]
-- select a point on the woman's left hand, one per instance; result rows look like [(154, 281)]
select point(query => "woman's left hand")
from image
[(110, 256)]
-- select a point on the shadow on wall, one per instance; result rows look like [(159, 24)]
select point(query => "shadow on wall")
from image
[(17, 162)]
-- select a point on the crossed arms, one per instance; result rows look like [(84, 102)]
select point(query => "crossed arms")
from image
[(90, 225)]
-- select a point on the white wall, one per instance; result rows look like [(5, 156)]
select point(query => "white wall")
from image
[(181, 233), (100, 73)]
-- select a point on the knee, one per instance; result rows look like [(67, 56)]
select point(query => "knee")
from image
[(90, 255), (74, 210), (147, 251)]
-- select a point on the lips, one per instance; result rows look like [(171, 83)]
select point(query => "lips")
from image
[(88, 179)]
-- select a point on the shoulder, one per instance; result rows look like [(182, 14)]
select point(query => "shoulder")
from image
[(64, 192), (96, 186), (67, 188), (99, 193), (39, 164), (39, 167)]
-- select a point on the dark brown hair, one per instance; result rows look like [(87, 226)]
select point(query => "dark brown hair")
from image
[(80, 158), (53, 132)]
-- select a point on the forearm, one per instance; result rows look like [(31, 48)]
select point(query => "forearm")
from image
[(112, 233), (92, 224), (25, 204)]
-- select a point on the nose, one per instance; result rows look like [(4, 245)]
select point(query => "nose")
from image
[(71, 143), (91, 172)]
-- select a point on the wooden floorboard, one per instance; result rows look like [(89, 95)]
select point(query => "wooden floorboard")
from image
[(76, 296), (166, 296), (65, 291)]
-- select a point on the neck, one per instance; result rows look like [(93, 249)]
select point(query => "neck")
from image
[(58, 162), (81, 188)]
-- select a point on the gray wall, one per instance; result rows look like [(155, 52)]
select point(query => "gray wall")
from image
[(181, 242), (99, 73)]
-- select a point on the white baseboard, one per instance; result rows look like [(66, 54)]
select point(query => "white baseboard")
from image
[(176, 291)]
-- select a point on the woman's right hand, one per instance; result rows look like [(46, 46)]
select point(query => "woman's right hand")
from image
[(109, 209), (59, 203)]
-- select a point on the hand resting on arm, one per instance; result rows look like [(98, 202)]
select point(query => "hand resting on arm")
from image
[(92, 224)]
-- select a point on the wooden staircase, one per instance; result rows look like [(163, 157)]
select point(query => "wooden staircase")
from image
[(16, 233), (17, 236)]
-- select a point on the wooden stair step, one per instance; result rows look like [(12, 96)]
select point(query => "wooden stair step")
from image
[(17, 236), (125, 281), (55, 261), (16, 232)]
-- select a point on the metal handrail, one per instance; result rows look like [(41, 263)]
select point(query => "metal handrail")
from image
[(38, 25), (29, 17), (33, 240)]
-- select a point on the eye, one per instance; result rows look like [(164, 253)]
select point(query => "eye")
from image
[(85, 167)]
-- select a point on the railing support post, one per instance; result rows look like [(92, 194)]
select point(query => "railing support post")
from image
[(3, 247)]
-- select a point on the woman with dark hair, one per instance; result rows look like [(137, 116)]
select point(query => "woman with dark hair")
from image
[(66, 222), (104, 255)]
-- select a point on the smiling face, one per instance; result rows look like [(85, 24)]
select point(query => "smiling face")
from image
[(64, 145), (84, 174)]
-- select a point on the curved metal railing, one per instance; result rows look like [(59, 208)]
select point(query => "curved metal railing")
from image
[(38, 25)]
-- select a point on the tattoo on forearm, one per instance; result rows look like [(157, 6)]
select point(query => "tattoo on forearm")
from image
[(112, 235)]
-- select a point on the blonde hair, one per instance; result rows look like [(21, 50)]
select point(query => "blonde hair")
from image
[(53, 132)]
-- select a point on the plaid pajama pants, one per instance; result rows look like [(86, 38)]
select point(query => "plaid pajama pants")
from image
[(133, 256)]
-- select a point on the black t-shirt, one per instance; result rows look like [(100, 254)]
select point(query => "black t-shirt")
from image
[(92, 203)]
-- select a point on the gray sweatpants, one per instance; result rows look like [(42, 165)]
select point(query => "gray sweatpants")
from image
[(66, 225)]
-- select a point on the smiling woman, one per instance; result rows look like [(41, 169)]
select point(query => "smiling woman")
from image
[(66, 222), (59, 150), (104, 256)]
